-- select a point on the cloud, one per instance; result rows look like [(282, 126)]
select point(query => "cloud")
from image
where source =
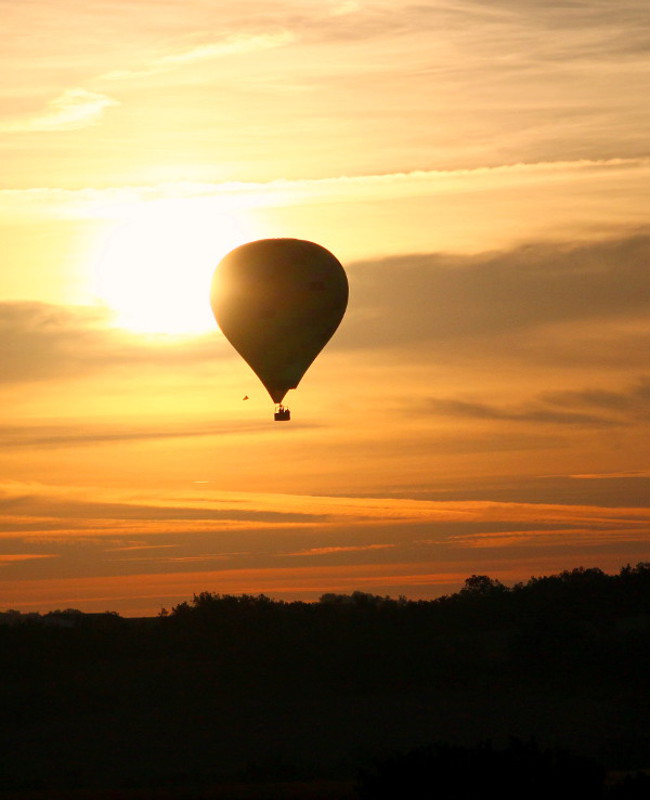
[(139, 547), (502, 296), (387, 543), (575, 408), (233, 44), (12, 558), (334, 549), (538, 33), (345, 8), (632, 403), (630, 490), (54, 436), (559, 537), (48, 505), (74, 109), (117, 200), (48, 342), (318, 512), (635, 400), (484, 411)]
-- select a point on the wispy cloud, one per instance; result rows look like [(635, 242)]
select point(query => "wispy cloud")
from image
[(577, 408), (158, 542), (198, 558), (75, 108), (333, 550), (526, 414), (113, 201), (129, 548), (633, 402), (233, 44), (199, 510), (558, 537), (13, 558), (55, 436)]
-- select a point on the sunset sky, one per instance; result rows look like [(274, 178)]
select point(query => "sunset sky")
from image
[(482, 171)]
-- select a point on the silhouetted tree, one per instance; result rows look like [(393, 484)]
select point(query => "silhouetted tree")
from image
[(482, 585)]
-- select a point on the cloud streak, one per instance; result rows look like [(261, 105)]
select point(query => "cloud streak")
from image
[(72, 110), (256, 511), (336, 549), (587, 407), (233, 44), (484, 411), (13, 558), (156, 542), (97, 203), (563, 537)]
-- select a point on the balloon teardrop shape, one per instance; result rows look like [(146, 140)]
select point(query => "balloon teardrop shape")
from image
[(278, 302)]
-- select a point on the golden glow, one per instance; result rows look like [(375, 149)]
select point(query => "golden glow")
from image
[(484, 186), (155, 269)]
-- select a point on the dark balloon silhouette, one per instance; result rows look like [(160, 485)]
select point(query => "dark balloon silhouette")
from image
[(278, 302)]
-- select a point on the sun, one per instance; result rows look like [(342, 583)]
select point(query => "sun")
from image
[(155, 268)]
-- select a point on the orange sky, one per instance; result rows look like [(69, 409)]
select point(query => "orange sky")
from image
[(481, 171)]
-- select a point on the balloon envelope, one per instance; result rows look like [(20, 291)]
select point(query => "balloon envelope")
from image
[(278, 302)]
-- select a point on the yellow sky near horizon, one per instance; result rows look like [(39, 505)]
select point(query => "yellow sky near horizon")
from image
[(482, 172)]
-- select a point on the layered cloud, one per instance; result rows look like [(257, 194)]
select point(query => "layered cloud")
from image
[(164, 546)]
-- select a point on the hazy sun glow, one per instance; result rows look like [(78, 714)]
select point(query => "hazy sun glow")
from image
[(155, 269)]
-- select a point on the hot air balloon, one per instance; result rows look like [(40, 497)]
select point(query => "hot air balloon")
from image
[(278, 302)]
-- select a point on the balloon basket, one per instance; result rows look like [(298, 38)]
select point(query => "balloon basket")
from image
[(282, 414)]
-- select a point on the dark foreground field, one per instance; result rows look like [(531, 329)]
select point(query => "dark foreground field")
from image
[(244, 697), (266, 790)]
